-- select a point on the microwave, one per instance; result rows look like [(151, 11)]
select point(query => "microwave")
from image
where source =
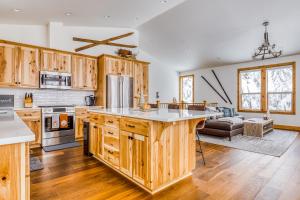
[(55, 80)]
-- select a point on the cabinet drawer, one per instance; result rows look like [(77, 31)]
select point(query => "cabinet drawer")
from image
[(111, 121), (112, 141), (96, 118), (135, 126), (112, 157), (29, 113), (113, 132)]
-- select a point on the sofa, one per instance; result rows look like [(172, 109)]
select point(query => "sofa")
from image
[(230, 124)]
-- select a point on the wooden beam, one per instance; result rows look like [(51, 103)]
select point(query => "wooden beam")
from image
[(103, 42)]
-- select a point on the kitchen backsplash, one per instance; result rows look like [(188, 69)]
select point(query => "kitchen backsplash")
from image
[(47, 97)]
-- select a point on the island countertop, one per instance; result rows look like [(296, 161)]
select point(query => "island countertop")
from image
[(162, 114), (13, 129)]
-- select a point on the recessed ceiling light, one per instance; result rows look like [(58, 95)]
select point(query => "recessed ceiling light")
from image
[(68, 13), (164, 1), (106, 16), (17, 10)]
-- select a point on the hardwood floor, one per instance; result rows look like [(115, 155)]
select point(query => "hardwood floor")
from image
[(228, 174)]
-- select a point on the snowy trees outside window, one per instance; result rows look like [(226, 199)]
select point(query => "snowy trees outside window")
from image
[(187, 88), (251, 90), (270, 87), (280, 89)]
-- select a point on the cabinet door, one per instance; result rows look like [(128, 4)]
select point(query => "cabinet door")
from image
[(126, 68), (93, 138), (7, 65), (11, 171), (29, 65), (35, 126), (140, 154), (79, 128), (140, 80), (100, 148), (78, 72), (126, 153), (112, 65), (63, 62), (48, 61), (91, 74)]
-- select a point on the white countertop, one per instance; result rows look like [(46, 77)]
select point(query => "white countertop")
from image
[(163, 115), (14, 130)]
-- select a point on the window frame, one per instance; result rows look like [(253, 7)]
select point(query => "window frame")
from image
[(180, 87), (264, 90)]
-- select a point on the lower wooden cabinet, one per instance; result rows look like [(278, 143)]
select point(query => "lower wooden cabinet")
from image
[(140, 159), (134, 156), (79, 128), (14, 172), (32, 118), (126, 153), (93, 139)]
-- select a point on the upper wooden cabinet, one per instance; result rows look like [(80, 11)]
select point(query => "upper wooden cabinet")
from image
[(140, 81), (19, 66), (109, 64), (28, 75), (84, 73), (55, 61), (7, 65)]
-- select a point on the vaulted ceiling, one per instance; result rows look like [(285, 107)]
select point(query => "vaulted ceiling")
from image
[(204, 33), (113, 13)]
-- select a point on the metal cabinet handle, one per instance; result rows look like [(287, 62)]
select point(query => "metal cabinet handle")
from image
[(110, 121), (130, 126), (110, 133), (110, 152)]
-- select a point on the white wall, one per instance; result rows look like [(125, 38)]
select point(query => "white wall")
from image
[(228, 78), (162, 79), (55, 35)]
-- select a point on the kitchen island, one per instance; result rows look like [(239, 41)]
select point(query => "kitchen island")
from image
[(153, 149), (14, 160)]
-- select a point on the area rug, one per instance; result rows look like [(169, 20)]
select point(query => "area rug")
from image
[(274, 143), (35, 164), (61, 146)]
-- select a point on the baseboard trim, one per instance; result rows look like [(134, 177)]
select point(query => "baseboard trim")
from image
[(285, 127)]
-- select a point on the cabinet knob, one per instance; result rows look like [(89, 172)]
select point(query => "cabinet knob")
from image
[(3, 178)]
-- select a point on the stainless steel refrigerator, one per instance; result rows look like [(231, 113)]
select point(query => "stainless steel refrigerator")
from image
[(119, 91)]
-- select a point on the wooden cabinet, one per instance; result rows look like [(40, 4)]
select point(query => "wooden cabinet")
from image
[(80, 116), (90, 77), (109, 64), (19, 66), (55, 61), (28, 75), (14, 169), (126, 153), (134, 156), (93, 139), (7, 64), (32, 118), (84, 73), (140, 81), (140, 159)]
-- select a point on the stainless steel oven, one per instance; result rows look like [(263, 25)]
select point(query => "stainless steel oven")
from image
[(55, 80), (53, 134)]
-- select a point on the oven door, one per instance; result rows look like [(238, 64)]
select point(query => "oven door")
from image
[(54, 136)]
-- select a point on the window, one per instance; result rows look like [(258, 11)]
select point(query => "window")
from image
[(186, 88), (280, 89), (267, 88), (251, 90)]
